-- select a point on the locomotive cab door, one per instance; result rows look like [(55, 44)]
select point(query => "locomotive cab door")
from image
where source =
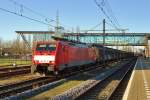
[(65, 56)]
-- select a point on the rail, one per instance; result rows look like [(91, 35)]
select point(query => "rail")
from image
[(8, 90), (107, 87)]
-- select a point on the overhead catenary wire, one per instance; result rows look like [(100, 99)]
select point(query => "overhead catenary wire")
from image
[(94, 27), (29, 9), (107, 6), (104, 12), (113, 20), (46, 19), (21, 15), (112, 15), (113, 26)]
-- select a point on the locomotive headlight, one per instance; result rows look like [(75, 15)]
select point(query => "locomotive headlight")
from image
[(52, 62), (35, 61)]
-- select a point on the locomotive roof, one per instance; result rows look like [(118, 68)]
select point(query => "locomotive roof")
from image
[(66, 40), (45, 42)]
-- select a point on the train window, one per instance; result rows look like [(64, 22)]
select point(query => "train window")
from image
[(41, 47), (51, 47)]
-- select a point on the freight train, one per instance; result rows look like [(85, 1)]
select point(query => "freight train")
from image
[(60, 55)]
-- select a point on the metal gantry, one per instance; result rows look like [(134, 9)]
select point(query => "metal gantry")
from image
[(111, 39), (127, 40)]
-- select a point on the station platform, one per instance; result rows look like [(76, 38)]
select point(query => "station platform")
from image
[(139, 84)]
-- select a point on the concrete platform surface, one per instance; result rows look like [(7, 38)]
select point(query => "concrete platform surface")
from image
[(139, 84)]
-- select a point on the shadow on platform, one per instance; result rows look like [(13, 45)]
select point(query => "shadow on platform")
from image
[(143, 64)]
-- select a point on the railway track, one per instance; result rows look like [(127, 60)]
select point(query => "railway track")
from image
[(71, 87), (13, 71), (2, 69), (111, 88), (119, 91), (21, 87), (14, 88)]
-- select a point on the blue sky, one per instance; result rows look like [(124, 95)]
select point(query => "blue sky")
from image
[(132, 14)]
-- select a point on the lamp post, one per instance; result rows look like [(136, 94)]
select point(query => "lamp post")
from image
[(104, 40)]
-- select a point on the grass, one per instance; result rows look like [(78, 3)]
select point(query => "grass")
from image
[(10, 61), (62, 87), (57, 90)]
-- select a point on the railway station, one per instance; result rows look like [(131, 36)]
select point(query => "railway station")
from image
[(66, 58)]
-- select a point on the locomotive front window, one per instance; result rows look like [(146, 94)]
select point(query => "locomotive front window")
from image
[(51, 47), (47, 47), (41, 47)]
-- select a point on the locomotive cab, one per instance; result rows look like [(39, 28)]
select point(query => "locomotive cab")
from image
[(43, 59)]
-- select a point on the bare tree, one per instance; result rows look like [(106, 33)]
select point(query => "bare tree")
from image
[(1, 41)]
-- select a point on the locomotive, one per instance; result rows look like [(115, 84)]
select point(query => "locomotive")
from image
[(61, 55)]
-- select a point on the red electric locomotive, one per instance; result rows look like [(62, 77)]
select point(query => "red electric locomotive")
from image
[(60, 55)]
